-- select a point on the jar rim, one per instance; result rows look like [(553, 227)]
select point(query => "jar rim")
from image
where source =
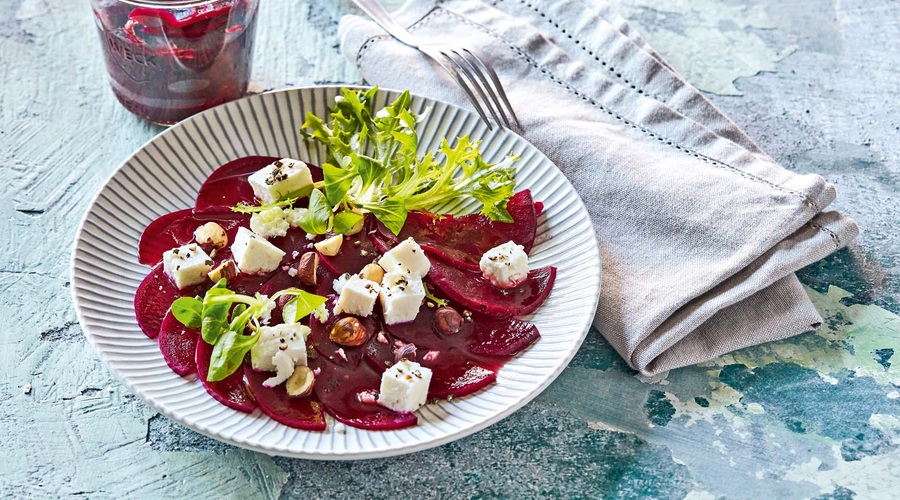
[(170, 4)]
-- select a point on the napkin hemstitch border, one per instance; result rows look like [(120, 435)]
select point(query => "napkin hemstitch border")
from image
[(439, 9)]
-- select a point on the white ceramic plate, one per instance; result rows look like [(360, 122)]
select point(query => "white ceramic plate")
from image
[(165, 174)]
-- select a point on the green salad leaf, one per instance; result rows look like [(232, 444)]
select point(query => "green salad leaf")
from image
[(224, 317), (373, 164), (246, 208), (301, 306), (188, 311), (317, 219)]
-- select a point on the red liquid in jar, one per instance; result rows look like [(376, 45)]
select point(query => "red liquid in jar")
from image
[(166, 65)]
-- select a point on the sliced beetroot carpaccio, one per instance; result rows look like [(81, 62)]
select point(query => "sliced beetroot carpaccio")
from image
[(154, 296), (472, 291), (230, 391), (461, 241), (178, 345), (338, 387), (294, 241), (501, 337), (454, 373), (379, 354), (320, 336), (356, 251), (297, 412), (483, 336), (227, 185), (177, 228)]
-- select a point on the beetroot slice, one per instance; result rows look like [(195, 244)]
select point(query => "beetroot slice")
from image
[(230, 391), (338, 388), (320, 336), (356, 251), (504, 337), (150, 248), (297, 412), (472, 291), (154, 296), (455, 374), (227, 185), (178, 345), (462, 241), (380, 355), (483, 336), (177, 228)]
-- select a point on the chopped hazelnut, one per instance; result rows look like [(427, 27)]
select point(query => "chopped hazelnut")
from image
[(301, 382), (211, 235), (372, 272), (348, 332), (330, 246), (307, 268), (447, 321), (226, 270)]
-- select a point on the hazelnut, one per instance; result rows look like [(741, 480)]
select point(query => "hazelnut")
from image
[(330, 246), (348, 332), (211, 235), (447, 321), (282, 301), (301, 382), (372, 272), (307, 268), (226, 270)]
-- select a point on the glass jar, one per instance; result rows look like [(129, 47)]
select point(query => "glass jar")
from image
[(170, 59)]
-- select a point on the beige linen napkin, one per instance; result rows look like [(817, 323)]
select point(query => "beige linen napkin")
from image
[(700, 231)]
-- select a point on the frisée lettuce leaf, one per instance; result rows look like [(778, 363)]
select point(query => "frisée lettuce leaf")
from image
[(373, 163)]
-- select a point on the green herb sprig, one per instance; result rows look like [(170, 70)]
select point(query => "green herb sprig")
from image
[(223, 316), (373, 166)]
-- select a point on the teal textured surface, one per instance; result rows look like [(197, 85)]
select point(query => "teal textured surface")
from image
[(813, 416)]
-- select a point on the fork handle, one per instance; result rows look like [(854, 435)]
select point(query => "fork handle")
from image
[(377, 12)]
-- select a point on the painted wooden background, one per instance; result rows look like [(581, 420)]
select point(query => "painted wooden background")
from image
[(815, 81)]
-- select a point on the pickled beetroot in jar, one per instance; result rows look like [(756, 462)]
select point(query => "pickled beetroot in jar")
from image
[(170, 59)]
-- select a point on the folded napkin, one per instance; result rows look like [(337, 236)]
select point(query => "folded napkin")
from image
[(700, 231)]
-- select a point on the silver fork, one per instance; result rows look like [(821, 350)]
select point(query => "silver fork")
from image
[(474, 76)]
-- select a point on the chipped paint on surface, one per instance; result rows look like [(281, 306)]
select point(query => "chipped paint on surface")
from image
[(794, 400), (710, 42)]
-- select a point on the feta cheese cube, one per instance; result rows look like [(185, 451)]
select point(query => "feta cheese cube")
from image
[(357, 296), (505, 266), (269, 223), (407, 257), (401, 296), (253, 254), (284, 178), (404, 386), (280, 349), (339, 282), (187, 265)]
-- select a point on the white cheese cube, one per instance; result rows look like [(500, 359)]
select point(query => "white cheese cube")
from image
[(284, 178), (407, 257), (253, 254), (269, 223), (357, 296), (339, 282), (505, 266), (280, 349), (401, 296), (187, 265), (404, 386)]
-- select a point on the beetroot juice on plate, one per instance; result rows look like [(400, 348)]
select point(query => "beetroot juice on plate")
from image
[(170, 59)]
